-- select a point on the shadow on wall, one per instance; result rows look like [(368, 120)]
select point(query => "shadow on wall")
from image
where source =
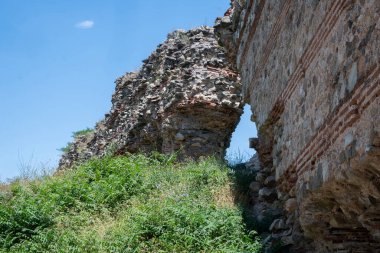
[(239, 150)]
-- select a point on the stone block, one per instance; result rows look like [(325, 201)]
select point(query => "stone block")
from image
[(278, 224), (268, 194), (270, 181), (290, 205), (254, 186)]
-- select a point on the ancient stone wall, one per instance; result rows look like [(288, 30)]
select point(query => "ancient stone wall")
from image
[(310, 69), (311, 72), (186, 98)]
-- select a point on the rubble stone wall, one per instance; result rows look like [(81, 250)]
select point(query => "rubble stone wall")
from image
[(186, 98), (311, 72)]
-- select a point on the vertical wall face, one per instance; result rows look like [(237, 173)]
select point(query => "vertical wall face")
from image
[(311, 73)]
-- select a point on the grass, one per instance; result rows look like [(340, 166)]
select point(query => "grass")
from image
[(132, 203)]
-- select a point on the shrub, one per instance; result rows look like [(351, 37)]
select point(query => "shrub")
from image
[(126, 204), (75, 135), (82, 132)]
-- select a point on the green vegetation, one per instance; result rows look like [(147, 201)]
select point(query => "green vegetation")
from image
[(82, 132), (76, 135), (126, 204)]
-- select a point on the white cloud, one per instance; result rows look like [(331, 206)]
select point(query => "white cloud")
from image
[(86, 24)]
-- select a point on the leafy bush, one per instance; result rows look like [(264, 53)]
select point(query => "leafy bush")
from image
[(82, 132), (75, 135), (20, 220), (126, 204)]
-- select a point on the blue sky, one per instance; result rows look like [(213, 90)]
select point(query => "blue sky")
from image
[(59, 60)]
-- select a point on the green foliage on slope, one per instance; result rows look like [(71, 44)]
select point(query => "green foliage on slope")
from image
[(126, 204)]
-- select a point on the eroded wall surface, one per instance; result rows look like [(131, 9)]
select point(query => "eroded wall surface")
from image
[(186, 98), (311, 72)]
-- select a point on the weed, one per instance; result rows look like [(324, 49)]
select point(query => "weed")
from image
[(128, 203), (75, 135), (82, 132), (236, 157)]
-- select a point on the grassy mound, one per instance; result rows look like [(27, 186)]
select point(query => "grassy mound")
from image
[(125, 204)]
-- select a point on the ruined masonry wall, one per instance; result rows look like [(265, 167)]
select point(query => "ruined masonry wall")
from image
[(311, 72), (186, 98)]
